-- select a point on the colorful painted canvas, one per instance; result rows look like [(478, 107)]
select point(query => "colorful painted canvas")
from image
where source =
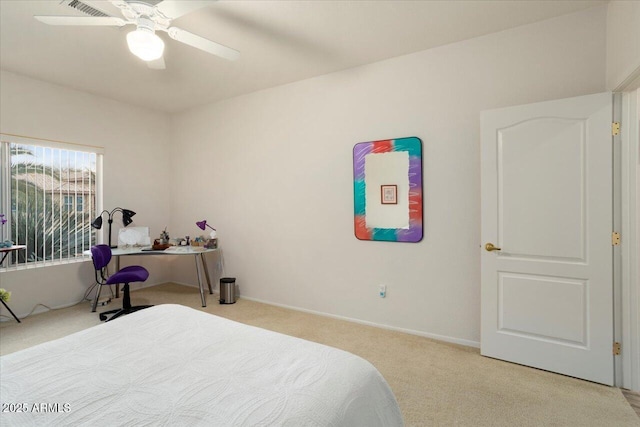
[(378, 165)]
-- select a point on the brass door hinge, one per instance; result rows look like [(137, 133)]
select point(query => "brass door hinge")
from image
[(615, 238), (615, 128), (616, 348)]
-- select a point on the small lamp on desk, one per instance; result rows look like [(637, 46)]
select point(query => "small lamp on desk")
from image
[(202, 224), (126, 220), (213, 242)]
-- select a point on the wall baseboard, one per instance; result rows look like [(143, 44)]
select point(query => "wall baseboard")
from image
[(444, 338), (453, 340)]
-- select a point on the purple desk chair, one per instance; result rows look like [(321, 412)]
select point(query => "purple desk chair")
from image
[(101, 256)]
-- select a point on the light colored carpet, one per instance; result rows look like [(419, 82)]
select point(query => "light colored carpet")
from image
[(436, 383)]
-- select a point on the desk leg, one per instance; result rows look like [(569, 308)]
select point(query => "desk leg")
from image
[(204, 301), (117, 269), (7, 307), (3, 258), (206, 272)]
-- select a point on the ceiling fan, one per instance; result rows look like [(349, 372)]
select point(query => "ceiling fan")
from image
[(148, 16)]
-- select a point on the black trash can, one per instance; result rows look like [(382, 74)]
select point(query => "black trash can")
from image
[(227, 290)]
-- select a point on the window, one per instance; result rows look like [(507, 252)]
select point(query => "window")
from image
[(68, 203), (49, 197)]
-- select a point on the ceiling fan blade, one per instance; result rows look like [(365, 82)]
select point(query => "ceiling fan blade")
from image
[(104, 21), (173, 9), (203, 44), (157, 64)]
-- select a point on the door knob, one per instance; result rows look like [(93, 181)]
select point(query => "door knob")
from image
[(490, 247)]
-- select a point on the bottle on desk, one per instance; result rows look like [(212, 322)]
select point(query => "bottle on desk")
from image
[(212, 243)]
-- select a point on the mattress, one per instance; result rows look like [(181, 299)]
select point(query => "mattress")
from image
[(171, 365)]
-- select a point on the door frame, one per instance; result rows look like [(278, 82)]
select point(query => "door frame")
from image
[(626, 256)]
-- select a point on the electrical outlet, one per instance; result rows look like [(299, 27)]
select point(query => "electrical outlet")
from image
[(382, 291)]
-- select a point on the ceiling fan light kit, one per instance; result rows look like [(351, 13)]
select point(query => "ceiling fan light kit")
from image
[(144, 43), (148, 18)]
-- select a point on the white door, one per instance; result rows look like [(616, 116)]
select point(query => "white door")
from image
[(547, 293)]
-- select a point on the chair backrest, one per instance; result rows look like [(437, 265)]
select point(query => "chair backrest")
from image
[(101, 255)]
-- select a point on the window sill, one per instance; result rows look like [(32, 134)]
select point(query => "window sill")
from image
[(42, 264)]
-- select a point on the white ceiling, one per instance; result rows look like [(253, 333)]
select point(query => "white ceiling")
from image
[(279, 41)]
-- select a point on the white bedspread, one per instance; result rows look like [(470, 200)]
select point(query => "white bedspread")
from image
[(171, 365)]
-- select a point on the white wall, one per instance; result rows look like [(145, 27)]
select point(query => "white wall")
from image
[(623, 42), (272, 171), (136, 162)]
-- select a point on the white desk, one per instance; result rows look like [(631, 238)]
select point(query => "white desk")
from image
[(174, 250), (4, 253)]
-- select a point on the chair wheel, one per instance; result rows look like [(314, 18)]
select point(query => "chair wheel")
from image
[(103, 317)]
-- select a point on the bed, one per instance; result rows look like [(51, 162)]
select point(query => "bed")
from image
[(171, 365)]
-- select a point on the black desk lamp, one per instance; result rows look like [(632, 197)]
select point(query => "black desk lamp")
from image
[(126, 220)]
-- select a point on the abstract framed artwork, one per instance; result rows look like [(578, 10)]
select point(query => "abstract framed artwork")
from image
[(387, 189)]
